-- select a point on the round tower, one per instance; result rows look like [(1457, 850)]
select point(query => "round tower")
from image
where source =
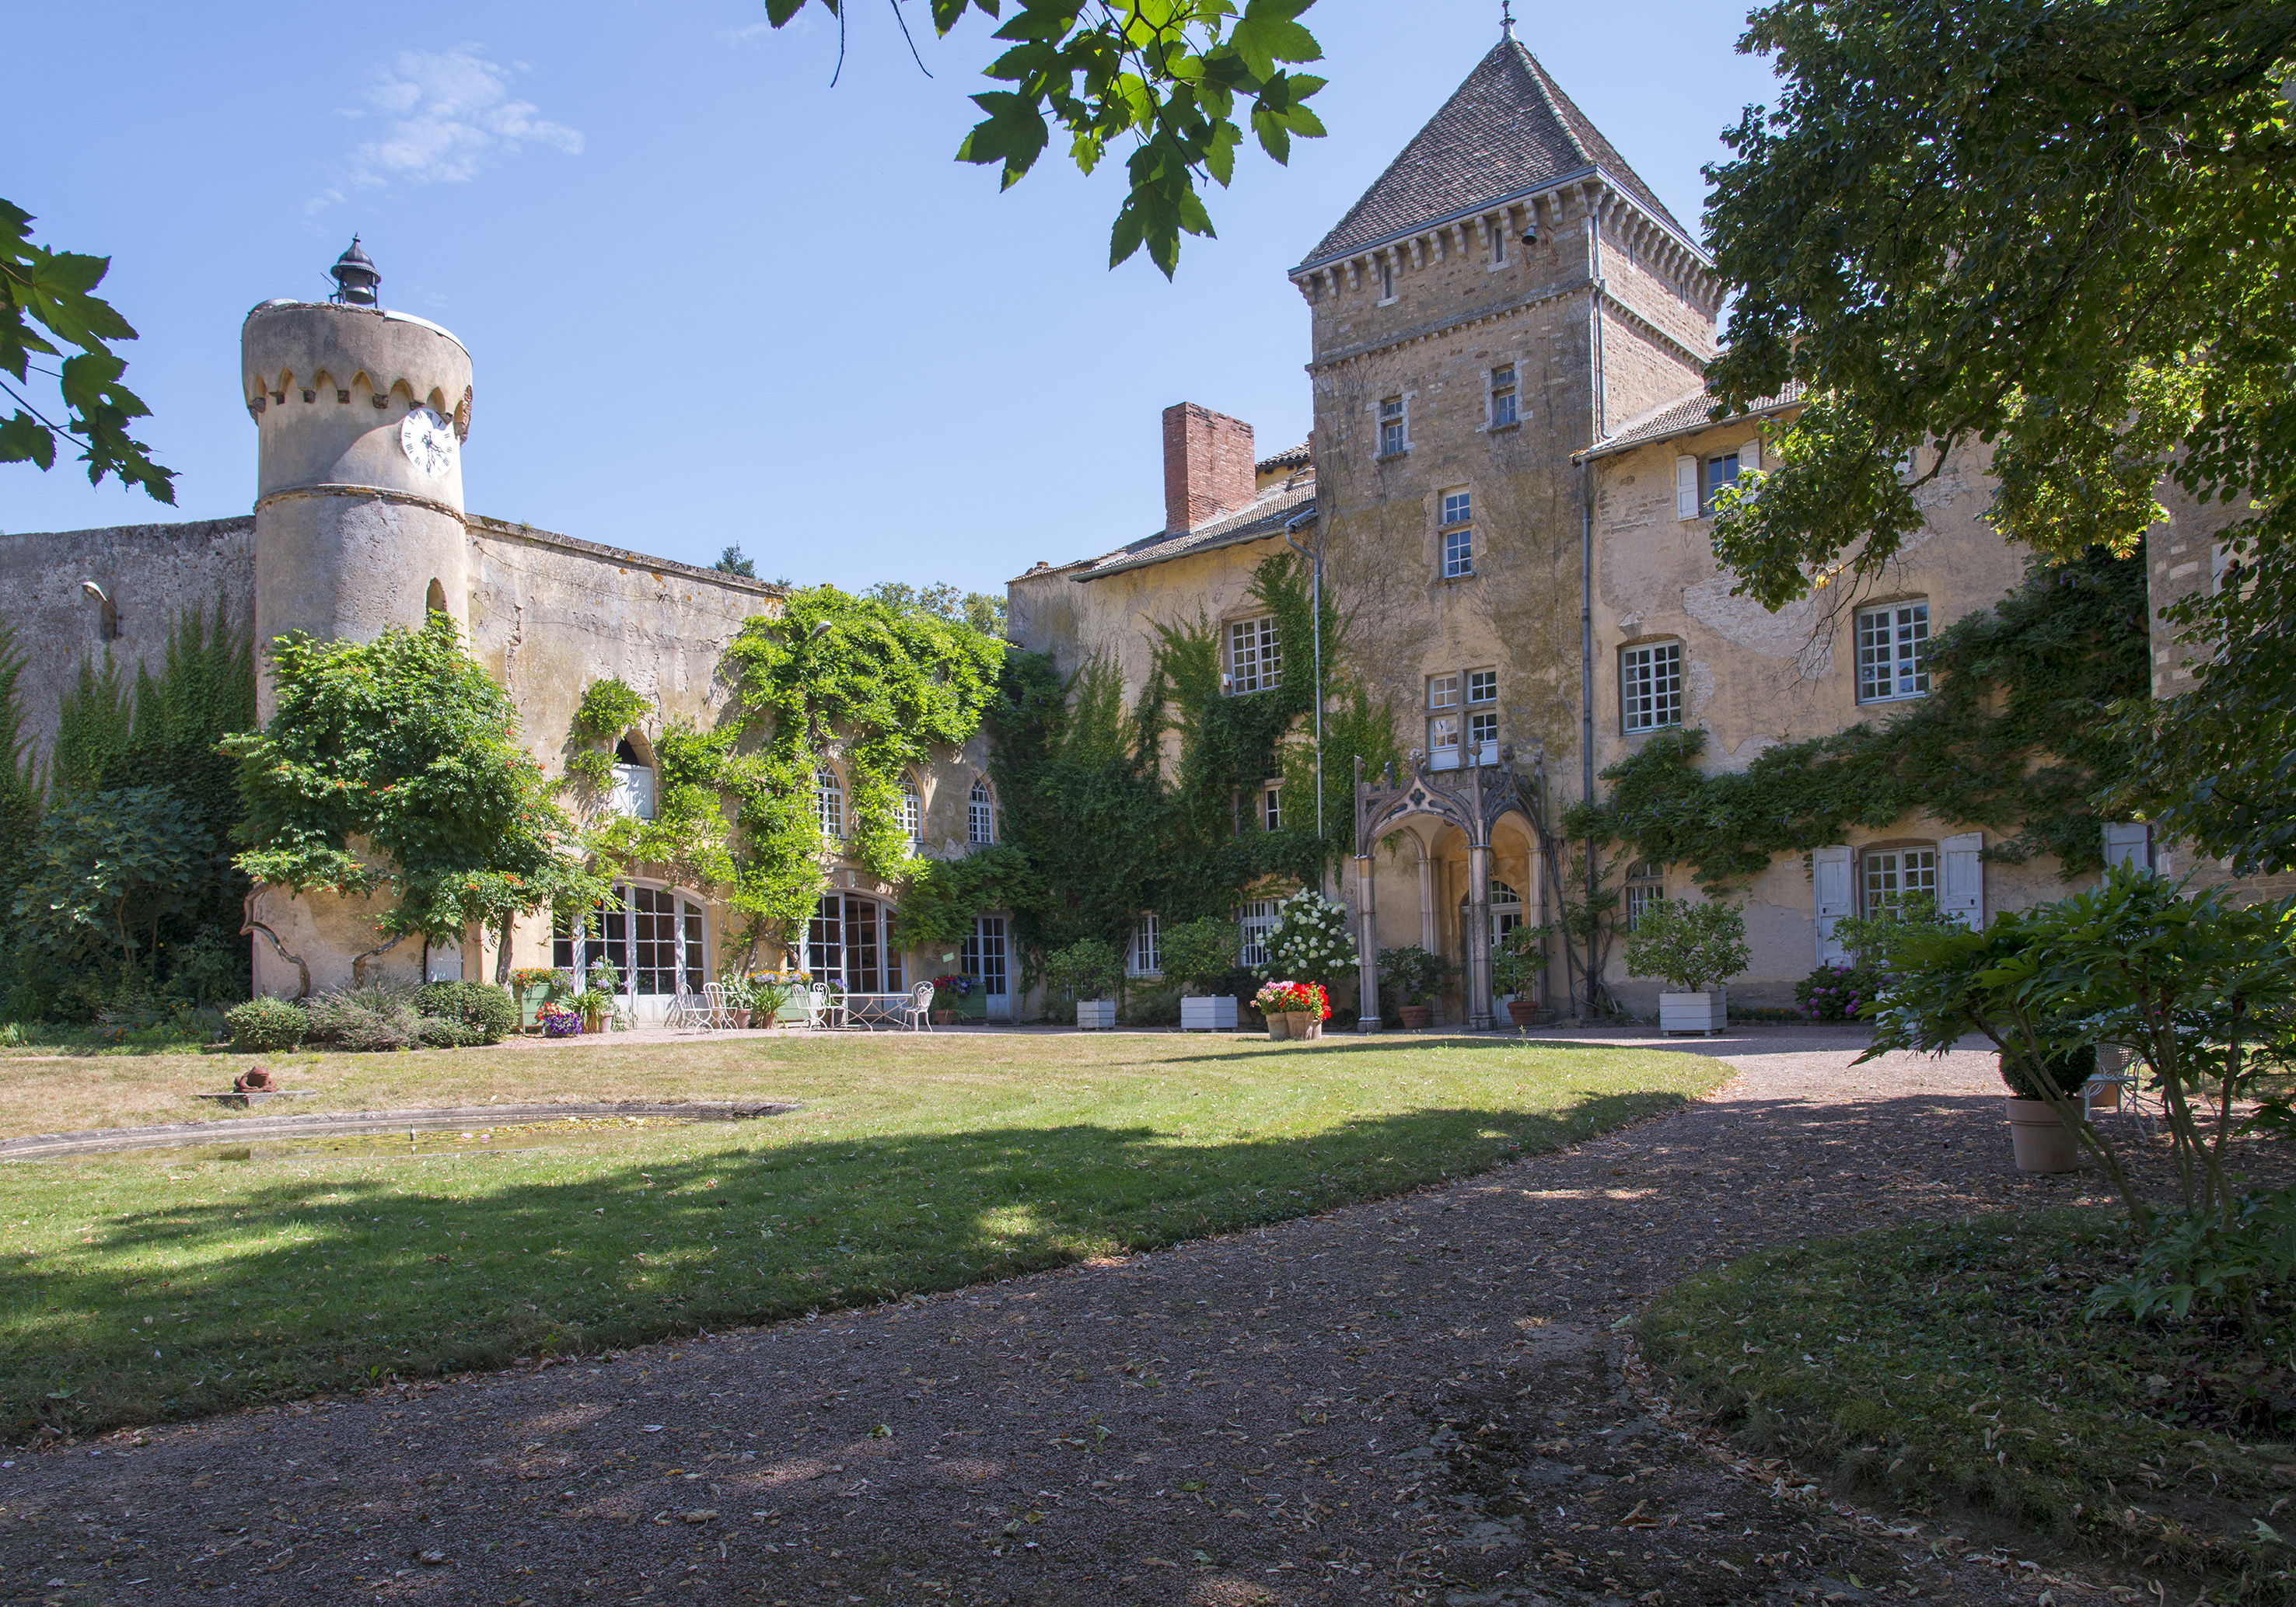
[(360, 415)]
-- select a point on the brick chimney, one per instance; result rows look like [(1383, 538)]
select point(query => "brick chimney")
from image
[(1208, 466)]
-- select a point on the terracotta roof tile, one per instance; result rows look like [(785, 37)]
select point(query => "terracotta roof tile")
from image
[(1684, 416), (1265, 518), (1508, 130)]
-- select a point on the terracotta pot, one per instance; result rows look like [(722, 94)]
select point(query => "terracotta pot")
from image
[(742, 1019), (943, 1018), (1415, 1017), (1525, 1012), (1303, 1023), (2041, 1142), (1279, 1026), (594, 1021)]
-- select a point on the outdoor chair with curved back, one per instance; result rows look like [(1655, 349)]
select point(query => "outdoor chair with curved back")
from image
[(917, 1016)]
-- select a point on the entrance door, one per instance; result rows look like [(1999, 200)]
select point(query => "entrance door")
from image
[(849, 944), (985, 956), (655, 937)]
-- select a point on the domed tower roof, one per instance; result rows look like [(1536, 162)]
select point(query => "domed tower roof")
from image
[(357, 280)]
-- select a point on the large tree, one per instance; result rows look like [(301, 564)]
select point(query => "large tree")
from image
[(1164, 79), (56, 291), (2064, 229)]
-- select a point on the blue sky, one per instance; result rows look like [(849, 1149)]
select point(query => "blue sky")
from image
[(710, 299)]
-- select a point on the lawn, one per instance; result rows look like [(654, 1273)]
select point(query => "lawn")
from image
[(1954, 1366), (148, 1286)]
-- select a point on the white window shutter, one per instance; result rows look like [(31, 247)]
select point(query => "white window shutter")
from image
[(1749, 455), (2129, 842), (1685, 488), (1835, 885), (1961, 883)]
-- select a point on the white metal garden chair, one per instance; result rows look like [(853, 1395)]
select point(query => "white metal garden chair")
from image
[(713, 999), (811, 1007), (689, 1013), (916, 1015)]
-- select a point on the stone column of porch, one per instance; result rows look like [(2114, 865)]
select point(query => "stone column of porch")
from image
[(1366, 947), (1477, 937)]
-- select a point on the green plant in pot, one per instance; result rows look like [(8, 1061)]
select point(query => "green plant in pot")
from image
[(1415, 978), (1516, 967), (1088, 971), (1695, 947), (740, 994), (768, 998), (2039, 1086), (1197, 955)]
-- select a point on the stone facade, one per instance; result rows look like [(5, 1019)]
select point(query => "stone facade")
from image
[(355, 532)]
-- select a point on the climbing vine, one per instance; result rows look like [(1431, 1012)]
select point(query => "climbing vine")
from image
[(2018, 734), (1107, 831), (608, 708)]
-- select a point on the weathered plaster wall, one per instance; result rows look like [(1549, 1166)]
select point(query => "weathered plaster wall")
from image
[(1752, 678), (153, 573)]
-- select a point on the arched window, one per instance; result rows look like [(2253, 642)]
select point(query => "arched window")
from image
[(912, 813), (829, 802), (434, 600), (634, 788), (981, 814), (1507, 912)]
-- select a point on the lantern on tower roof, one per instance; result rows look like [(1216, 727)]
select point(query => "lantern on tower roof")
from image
[(356, 278)]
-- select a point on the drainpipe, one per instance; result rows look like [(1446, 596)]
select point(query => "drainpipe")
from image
[(1601, 432), (1315, 614)]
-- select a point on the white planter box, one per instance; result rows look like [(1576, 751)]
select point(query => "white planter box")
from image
[(1707, 1013), (1098, 1015), (1208, 1015)]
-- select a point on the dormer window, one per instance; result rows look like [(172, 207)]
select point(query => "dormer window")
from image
[(634, 779)]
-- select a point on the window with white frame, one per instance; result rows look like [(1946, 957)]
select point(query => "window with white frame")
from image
[(633, 791), (912, 813), (1391, 441), (984, 952), (1719, 473), (979, 816), (1271, 806), (1650, 686), (1258, 918), (1892, 876), (1483, 734), (1503, 398), (1893, 651), (1645, 887), (1507, 912), (1147, 948), (1458, 530), (829, 803), (1482, 686), (1443, 721), (1255, 658)]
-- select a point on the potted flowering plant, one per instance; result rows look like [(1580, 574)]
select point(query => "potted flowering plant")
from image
[(533, 986), (559, 1021), (1310, 941), (740, 994), (949, 994), (1697, 946), (1415, 977)]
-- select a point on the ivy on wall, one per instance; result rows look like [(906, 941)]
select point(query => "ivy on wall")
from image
[(2018, 734), (1106, 831)]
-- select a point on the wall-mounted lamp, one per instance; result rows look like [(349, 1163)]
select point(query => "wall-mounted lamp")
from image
[(108, 621)]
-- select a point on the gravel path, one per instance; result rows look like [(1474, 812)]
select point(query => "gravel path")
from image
[(1421, 1399)]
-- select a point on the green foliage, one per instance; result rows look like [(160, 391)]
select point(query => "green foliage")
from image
[(1695, 946), (107, 871), (2054, 1077), (1311, 942), (2062, 231), (983, 611), (55, 290), (406, 745), (2200, 989), (1412, 974), (488, 1011), (1167, 76), (20, 783), (731, 562), (608, 708), (267, 1026), (379, 1020), (2018, 734), (1201, 952), (1520, 960), (1089, 968), (891, 685), (1840, 990), (943, 898)]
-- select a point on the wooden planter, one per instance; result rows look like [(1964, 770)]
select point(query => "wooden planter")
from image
[(1216, 1014), (1415, 1017), (1708, 1012), (1096, 1015), (2041, 1142)]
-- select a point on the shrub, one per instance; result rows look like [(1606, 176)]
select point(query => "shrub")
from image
[(1154, 1007), (1310, 941), (1201, 952), (373, 1018), (2069, 1070), (1088, 970), (1412, 974), (265, 1026), (1693, 946), (483, 1009), (1838, 990)]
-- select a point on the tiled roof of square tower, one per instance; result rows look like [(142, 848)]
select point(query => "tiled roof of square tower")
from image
[(1509, 129)]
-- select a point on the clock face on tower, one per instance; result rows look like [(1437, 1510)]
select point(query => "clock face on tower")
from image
[(428, 441)]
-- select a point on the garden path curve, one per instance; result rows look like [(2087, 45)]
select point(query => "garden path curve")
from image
[(1418, 1399)]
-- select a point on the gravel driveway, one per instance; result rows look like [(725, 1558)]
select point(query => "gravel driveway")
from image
[(1421, 1399)]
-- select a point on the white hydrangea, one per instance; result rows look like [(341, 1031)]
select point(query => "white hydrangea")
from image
[(1311, 940)]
